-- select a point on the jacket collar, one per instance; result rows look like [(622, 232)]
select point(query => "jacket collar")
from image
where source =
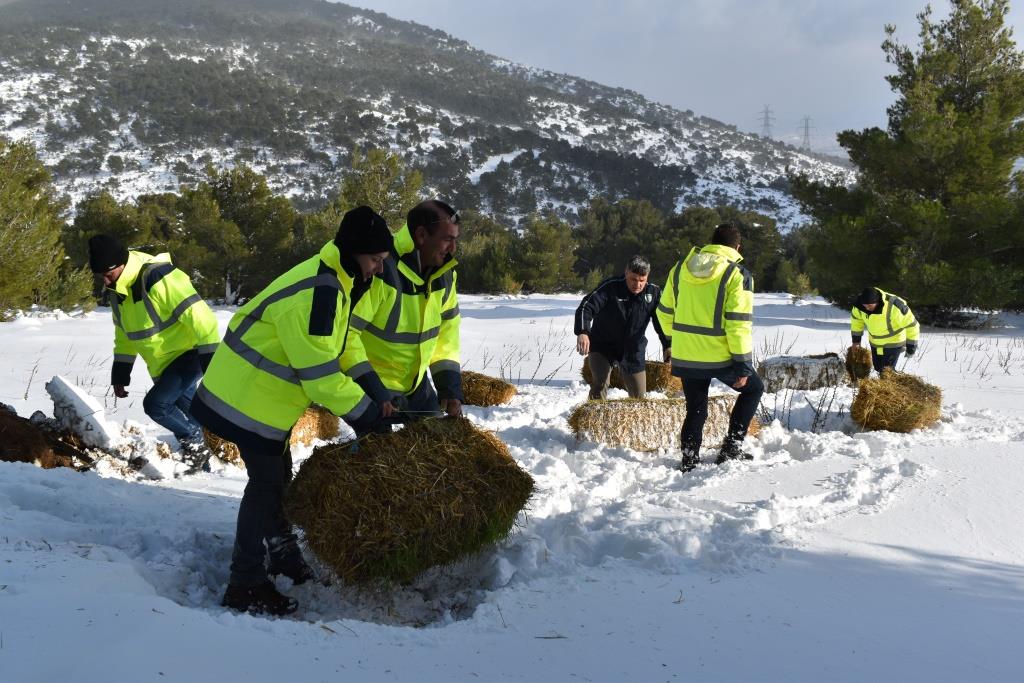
[(709, 261), (136, 260), (408, 259), (331, 257)]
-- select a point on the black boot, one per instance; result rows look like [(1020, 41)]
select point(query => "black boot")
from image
[(259, 599), (286, 559), (732, 449), (690, 460)]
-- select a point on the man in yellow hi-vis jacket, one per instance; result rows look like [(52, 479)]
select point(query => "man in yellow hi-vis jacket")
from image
[(281, 353), (408, 322), (157, 315), (708, 304), (890, 324)]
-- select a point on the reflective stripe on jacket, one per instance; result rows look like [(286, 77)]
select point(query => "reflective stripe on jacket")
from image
[(405, 325), (157, 315), (891, 326), (708, 305), (281, 353)]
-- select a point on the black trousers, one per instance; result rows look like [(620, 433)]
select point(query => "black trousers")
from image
[(696, 393), (419, 404), (887, 359), (262, 525)]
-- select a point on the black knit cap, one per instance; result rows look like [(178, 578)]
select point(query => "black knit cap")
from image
[(106, 252), (870, 295), (363, 231)]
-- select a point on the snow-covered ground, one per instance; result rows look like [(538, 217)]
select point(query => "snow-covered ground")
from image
[(834, 555)]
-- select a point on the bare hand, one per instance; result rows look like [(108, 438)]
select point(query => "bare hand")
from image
[(855, 345), (583, 344), (740, 383), (120, 391), (452, 406), (387, 409)]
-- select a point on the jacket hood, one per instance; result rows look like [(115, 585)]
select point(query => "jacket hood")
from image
[(136, 260), (709, 262)]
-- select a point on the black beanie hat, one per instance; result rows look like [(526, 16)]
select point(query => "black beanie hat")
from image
[(869, 296), (363, 231), (106, 252)]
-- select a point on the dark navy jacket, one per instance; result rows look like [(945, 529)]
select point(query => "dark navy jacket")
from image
[(616, 320)]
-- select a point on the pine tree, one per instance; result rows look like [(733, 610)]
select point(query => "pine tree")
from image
[(936, 212), (547, 258), (380, 179), (32, 269)]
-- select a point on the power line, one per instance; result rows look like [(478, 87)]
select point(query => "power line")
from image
[(805, 122), (766, 122)]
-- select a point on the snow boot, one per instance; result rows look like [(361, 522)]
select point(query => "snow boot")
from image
[(732, 449), (690, 460), (196, 456), (286, 559), (262, 598)]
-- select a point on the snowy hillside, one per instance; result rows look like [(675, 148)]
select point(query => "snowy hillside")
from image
[(137, 97), (835, 555)]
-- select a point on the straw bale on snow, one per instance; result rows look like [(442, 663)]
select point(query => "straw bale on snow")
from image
[(650, 424), (896, 402), (389, 506), (481, 390), (858, 363)]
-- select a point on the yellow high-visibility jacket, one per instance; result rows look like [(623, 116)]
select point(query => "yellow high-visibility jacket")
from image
[(280, 354), (891, 326), (157, 315), (708, 304), (404, 325)]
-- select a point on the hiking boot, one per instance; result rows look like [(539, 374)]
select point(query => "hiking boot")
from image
[(690, 460), (196, 455), (294, 567), (732, 449), (262, 598)]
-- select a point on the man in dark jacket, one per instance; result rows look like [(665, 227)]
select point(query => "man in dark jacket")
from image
[(611, 327)]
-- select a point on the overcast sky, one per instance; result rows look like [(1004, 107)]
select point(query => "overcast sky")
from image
[(725, 59)]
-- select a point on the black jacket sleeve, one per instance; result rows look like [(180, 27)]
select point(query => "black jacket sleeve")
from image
[(589, 307)]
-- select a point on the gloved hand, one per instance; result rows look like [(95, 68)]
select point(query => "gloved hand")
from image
[(911, 350)]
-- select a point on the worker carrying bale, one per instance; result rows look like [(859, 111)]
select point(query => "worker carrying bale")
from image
[(389, 506), (611, 328), (890, 324), (281, 353)]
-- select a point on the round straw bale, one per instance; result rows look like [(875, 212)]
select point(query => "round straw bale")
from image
[(481, 390), (316, 423), (222, 448), (649, 424), (389, 506), (802, 372), (659, 376), (858, 363), (896, 402)]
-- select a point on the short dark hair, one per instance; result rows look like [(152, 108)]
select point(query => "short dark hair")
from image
[(726, 234), (430, 214), (639, 265)]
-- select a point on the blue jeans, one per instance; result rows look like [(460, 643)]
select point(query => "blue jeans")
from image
[(168, 402)]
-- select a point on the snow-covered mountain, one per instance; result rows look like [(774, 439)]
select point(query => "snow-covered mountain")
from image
[(138, 96)]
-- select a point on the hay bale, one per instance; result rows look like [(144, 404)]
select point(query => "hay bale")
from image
[(316, 423), (659, 377), (222, 448), (802, 372), (896, 402), (650, 425), (858, 363), (482, 390), (426, 495)]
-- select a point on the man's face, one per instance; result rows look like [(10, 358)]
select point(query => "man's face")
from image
[(870, 307), (110, 277), (635, 282), (434, 249), (371, 264)]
